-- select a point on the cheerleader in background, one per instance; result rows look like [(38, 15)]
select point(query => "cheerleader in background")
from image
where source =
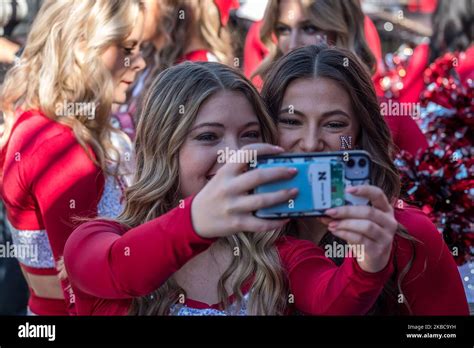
[(60, 157), (341, 23), (184, 30), (274, 36)]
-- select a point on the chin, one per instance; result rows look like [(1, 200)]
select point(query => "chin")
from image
[(120, 99)]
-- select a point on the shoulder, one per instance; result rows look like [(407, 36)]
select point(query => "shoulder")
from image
[(48, 147), (418, 224), (424, 245), (34, 128)]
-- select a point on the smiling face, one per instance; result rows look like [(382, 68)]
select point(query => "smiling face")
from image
[(314, 115), (124, 61), (225, 120), (294, 28)]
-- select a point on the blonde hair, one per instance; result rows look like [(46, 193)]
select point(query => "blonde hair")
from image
[(161, 132), (179, 18), (344, 18), (62, 64)]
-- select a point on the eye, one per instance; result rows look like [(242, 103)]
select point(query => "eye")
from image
[(128, 50), (289, 121), (310, 29), (252, 134), (281, 29), (206, 137), (336, 125)]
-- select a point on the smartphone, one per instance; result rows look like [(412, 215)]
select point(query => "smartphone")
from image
[(321, 180)]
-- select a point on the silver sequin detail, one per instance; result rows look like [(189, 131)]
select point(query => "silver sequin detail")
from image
[(183, 310), (109, 205), (41, 255)]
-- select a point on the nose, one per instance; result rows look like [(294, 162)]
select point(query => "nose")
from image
[(228, 148), (311, 142), (138, 63), (295, 41)]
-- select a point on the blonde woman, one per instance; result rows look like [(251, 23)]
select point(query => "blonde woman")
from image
[(60, 157), (185, 30), (179, 248)]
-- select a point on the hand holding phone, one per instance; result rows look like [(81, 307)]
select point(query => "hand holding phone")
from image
[(224, 206), (321, 181)]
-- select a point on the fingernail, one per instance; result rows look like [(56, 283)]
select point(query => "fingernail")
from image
[(294, 191), (331, 212), (292, 170), (279, 148), (351, 189), (333, 224)]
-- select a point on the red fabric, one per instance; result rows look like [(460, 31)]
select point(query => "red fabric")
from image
[(254, 52), (53, 172), (109, 265), (120, 265), (46, 306), (373, 41), (197, 56), (466, 65), (423, 6), (224, 7), (104, 272), (405, 132), (433, 285)]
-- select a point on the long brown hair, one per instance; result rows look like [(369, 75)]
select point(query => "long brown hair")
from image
[(179, 18), (344, 18), (170, 109), (344, 67)]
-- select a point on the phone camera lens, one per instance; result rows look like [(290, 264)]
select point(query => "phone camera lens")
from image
[(350, 163), (362, 162)]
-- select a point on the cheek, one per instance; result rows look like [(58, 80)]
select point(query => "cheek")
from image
[(333, 141), (195, 162), (114, 61), (283, 44), (287, 138)]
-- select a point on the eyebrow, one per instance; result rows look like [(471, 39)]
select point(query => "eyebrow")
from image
[(325, 114), (131, 42), (301, 23), (220, 125), (306, 22)]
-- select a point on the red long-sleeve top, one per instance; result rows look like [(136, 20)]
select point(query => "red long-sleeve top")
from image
[(47, 180), (108, 265)]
